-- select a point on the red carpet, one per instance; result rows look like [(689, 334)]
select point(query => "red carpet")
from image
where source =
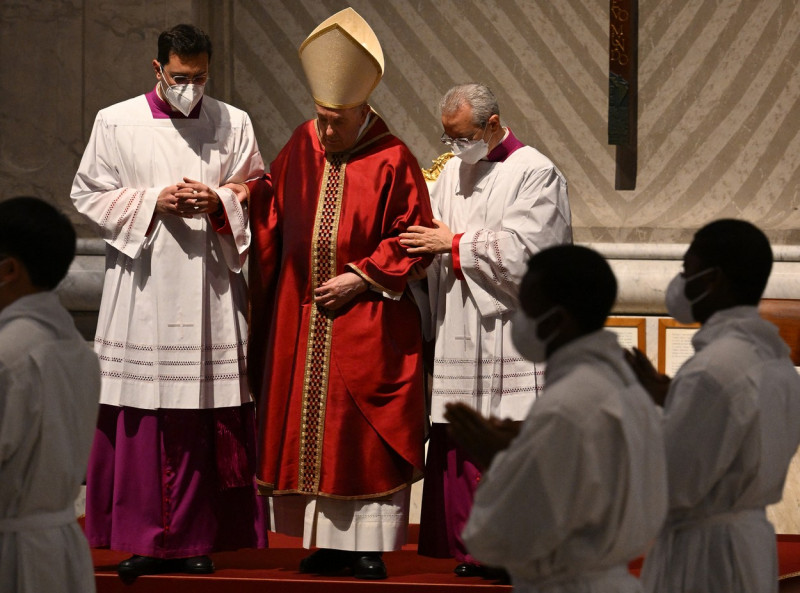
[(275, 571), (789, 563)]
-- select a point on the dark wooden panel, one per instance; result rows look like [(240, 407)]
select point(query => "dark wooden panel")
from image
[(785, 313)]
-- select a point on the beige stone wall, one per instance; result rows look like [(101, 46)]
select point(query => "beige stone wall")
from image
[(718, 110)]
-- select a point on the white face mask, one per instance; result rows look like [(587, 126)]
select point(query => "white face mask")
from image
[(678, 305), (473, 152), (525, 338), (183, 97)]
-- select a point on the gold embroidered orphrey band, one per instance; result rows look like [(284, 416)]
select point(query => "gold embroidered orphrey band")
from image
[(318, 346)]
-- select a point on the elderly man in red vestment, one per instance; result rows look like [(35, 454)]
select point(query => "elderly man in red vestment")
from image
[(335, 350)]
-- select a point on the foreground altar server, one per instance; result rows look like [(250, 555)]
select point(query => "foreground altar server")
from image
[(171, 476), (581, 489), (496, 203), (730, 421), (49, 391), (335, 348)]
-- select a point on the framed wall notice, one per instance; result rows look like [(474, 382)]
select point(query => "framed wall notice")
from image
[(674, 344), (630, 331)]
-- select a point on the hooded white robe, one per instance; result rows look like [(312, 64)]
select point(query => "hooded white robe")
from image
[(731, 428), (49, 392), (582, 489)]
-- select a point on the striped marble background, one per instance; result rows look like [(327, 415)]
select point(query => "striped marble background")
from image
[(719, 86)]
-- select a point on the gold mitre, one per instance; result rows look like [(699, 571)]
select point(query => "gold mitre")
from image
[(343, 60)]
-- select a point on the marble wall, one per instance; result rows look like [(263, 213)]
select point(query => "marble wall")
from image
[(719, 89)]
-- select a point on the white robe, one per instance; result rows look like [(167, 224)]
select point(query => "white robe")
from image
[(582, 489), (363, 525), (49, 390), (731, 428), (172, 327), (507, 211)]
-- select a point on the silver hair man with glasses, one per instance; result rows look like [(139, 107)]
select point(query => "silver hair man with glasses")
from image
[(171, 472), (495, 204)]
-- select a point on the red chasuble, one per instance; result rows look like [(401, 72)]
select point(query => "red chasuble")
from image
[(340, 395)]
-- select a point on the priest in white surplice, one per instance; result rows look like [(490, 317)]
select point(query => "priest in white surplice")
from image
[(172, 465), (497, 202), (49, 391)]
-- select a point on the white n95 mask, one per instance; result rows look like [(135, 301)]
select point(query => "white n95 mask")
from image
[(473, 152), (184, 97)]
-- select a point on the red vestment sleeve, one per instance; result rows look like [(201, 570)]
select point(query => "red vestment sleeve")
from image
[(457, 256), (405, 203), (264, 257), (220, 224)]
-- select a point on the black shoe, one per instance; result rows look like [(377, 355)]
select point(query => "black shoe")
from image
[(368, 565), (136, 566), (500, 575), (197, 565), (326, 561), (465, 569)]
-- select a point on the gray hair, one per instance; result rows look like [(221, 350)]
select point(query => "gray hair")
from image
[(478, 96)]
